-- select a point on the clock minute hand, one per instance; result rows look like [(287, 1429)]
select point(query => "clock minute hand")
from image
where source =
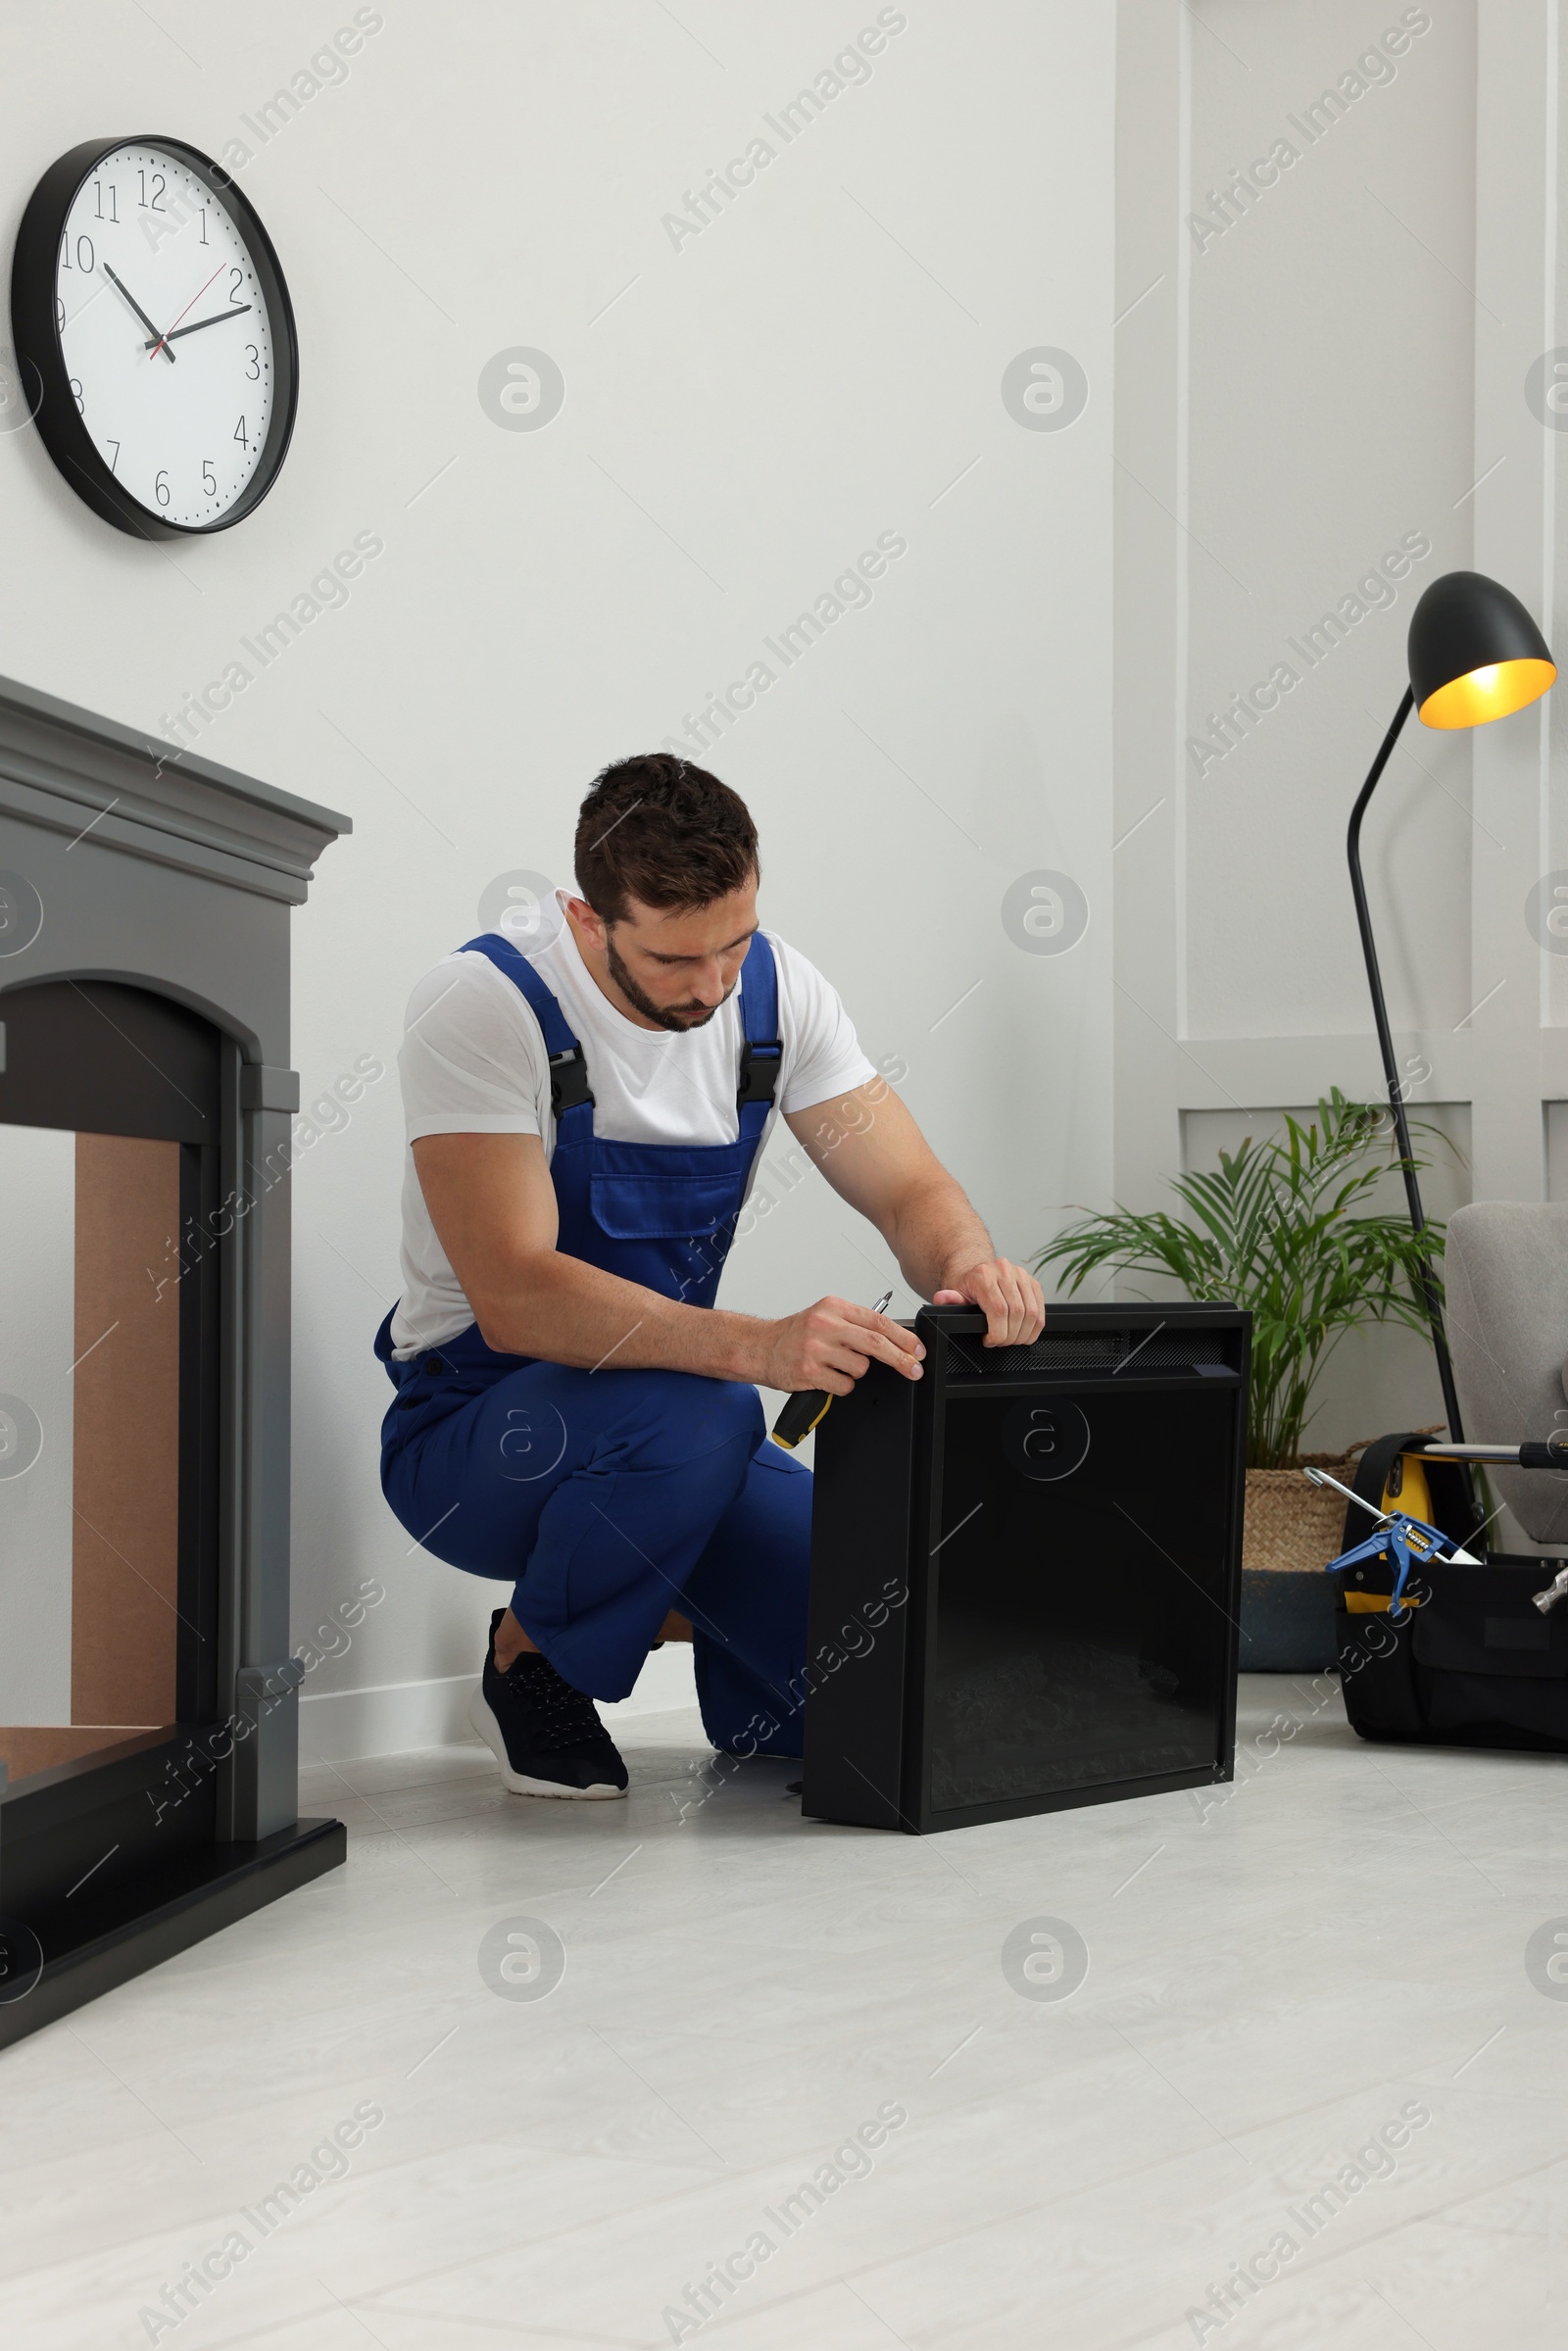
[(217, 319), (135, 306)]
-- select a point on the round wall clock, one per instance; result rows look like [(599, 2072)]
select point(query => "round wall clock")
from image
[(154, 336)]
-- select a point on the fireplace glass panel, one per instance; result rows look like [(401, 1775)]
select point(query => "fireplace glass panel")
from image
[(90, 1340), (1071, 1647)]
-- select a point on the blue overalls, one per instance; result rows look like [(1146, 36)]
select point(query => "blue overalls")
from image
[(609, 1497)]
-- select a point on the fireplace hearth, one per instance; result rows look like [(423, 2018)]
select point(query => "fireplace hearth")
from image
[(147, 1701)]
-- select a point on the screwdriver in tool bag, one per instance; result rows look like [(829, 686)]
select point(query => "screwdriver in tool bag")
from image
[(802, 1413)]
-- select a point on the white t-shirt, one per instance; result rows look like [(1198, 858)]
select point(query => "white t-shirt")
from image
[(474, 1062)]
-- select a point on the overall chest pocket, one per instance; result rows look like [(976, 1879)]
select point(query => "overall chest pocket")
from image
[(646, 1192), (660, 1208)]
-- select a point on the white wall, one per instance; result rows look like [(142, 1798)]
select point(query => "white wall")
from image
[(742, 415), (1344, 363)]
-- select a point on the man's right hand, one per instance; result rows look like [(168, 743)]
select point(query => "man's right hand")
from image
[(830, 1345)]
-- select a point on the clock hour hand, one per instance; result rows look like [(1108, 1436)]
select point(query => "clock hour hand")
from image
[(119, 283), (217, 319)]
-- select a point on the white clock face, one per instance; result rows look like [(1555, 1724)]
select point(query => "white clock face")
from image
[(166, 335)]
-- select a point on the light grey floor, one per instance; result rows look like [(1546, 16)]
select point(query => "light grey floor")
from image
[(1340, 1940)]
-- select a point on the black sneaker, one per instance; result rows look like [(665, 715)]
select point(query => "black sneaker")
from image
[(547, 1737)]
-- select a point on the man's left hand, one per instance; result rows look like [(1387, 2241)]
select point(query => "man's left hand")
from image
[(1011, 1301)]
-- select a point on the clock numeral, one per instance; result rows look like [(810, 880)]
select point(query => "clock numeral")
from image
[(75, 394), (113, 463), (157, 204), (60, 316), (236, 279), (204, 224), (208, 477), (161, 489), (82, 244), (254, 371), (114, 209), (241, 435)]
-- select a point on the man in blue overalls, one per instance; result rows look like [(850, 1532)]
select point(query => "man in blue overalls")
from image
[(586, 1097)]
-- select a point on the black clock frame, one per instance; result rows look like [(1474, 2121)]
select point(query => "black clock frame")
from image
[(46, 376)]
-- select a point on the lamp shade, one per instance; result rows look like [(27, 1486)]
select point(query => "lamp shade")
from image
[(1474, 653)]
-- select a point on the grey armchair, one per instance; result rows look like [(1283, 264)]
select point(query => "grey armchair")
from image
[(1506, 1271)]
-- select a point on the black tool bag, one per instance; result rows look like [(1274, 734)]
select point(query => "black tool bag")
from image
[(1471, 1661)]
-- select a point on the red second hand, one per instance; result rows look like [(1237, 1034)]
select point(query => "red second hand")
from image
[(190, 306)]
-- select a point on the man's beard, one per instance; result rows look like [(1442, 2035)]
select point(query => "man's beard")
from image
[(679, 1017)]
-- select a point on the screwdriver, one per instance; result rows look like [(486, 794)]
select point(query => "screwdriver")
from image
[(802, 1413)]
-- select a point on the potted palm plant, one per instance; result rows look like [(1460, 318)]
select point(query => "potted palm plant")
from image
[(1285, 1227)]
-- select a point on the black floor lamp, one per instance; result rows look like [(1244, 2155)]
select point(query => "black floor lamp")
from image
[(1474, 654)]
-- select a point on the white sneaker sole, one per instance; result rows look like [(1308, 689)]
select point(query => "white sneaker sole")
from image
[(483, 1720)]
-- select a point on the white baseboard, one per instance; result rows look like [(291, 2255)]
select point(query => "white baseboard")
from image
[(392, 1718), (665, 1681)]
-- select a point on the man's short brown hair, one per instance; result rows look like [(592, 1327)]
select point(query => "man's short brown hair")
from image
[(659, 830)]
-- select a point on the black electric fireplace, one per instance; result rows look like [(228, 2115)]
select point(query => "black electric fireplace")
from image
[(1026, 1570), (148, 1719)]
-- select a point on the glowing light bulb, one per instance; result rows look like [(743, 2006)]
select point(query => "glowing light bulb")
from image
[(1492, 691)]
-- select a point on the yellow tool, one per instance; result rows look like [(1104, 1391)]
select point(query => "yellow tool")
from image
[(802, 1413)]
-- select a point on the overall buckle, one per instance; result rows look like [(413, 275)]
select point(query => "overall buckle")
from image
[(760, 1068), (568, 1082)]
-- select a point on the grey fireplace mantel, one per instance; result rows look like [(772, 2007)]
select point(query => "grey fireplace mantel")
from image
[(66, 769), (128, 866)]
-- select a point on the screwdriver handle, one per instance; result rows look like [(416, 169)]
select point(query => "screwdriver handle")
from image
[(800, 1417), (802, 1413)]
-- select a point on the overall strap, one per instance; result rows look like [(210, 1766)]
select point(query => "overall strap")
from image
[(763, 1053), (568, 1072)]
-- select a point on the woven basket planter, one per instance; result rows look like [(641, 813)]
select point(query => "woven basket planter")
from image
[(1292, 1527), (1290, 1533)]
